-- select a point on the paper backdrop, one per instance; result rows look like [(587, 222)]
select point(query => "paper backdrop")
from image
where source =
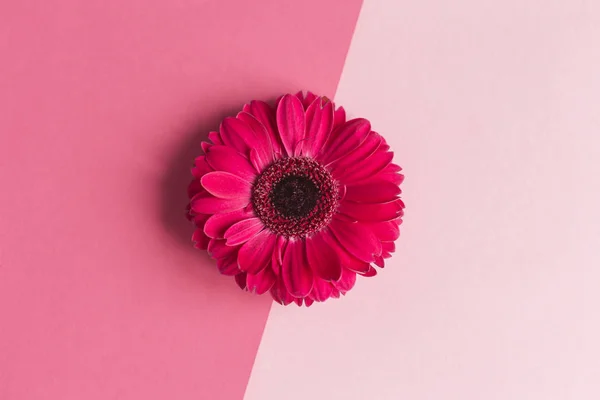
[(490, 106)]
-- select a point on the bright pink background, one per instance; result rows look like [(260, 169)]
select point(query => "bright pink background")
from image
[(102, 107), (493, 110)]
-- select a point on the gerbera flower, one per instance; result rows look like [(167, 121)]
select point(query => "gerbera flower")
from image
[(296, 200)]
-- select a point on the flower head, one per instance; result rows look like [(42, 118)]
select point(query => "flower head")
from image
[(295, 200)]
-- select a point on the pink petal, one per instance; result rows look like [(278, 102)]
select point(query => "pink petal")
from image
[(322, 258), (266, 116), (319, 122), (227, 159), (371, 212), (321, 290), (346, 282), (205, 203), (307, 301), (217, 249), (256, 253), (236, 134), (200, 239), (243, 231), (379, 262), (226, 186), (215, 137), (296, 273), (290, 122), (357, 241), (368, 169), (261, 282), (372, 192), (339, 117), (345, 139)]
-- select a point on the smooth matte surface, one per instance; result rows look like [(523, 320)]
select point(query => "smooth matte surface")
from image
[(102, 107), (493, 109)]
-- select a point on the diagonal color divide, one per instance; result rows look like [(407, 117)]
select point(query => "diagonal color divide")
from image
[(493, 109), (103, 107)]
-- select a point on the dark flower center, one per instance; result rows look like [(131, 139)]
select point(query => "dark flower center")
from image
[(295, 197)]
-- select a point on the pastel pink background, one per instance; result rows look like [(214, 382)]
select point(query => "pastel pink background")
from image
[(493, 110), (102, 107)]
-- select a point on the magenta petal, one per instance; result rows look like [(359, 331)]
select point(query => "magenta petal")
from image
[(385, 231), (372, 271), (296, 272), (380, 262), (346, 282), (321, 290), (369, 168), (306, 100), (319, 122), (205, 203), (322, 258), (280, 293), (347, 260), (243, 231), (201, 167), (215, 137), (290, 122), (227, 159), (371, 212), (217, 249), (261, 142), (307, 301), (226, 186), (278, 252), (266, 116), (240, 279), (259, 159), (261, 282), (228, 265), (357, 157), (194, 188), (217, 224), (339, 117), (345, 139), (255, 254), (200, 239), (357, 241), (372, 192), (205, 146), (236, 134), (388, 247)]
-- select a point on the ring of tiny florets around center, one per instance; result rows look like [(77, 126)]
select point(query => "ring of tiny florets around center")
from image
[(295, 197)]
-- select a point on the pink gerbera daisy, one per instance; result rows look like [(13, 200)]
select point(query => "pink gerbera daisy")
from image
[(296, 200)]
